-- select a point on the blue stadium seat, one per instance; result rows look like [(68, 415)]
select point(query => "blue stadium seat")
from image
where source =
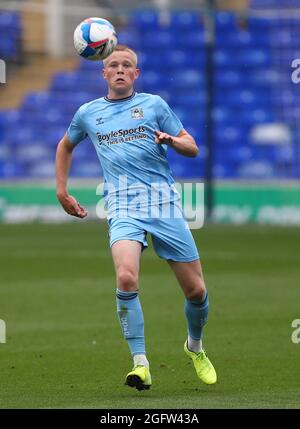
[(145, 19), (190, 169), (258, 24), (223, 115), (256, 58), (187, 116), (42, 169), (253, 57), (244, 99), (129, 37), (189, 40), (156, 39), (229, 78), (149, 62), (224, 59), (225, 171), (225, 20), (190, 79), (35, 100), (83, 81), (188, 99), (35, 153), (12, 170), (10, 35), (231, 135), (257, 116), (86, 169), (154, 79), (256, 170), (85, 151), (53, 136), (10, 19), (185, 20), (263, 77), (9, 49), (181, 58), (245, 38), (5, 152)]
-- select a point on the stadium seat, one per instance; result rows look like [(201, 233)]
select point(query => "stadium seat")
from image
[(192, 39), (12, 170), (180, 58), (190, 169), (129, 38), (185, 20), (83, 169), (148, 62), (231, 135), (224, 171), (153, 79), (6, 154), (256, 170), (156, 39), (44, 169), (10, 35), (188, 99), (145, 19), (225, 20), (190, 79)]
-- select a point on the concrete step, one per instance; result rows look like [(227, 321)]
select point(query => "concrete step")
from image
[(34, 76)]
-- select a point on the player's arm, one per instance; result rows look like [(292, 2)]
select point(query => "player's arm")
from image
[(63, 164), (184, 143)]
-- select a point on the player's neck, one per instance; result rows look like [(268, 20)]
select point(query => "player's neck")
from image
[(113, 95)]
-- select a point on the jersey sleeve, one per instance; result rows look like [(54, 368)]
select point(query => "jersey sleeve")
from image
[(76, 131), (168, 121)]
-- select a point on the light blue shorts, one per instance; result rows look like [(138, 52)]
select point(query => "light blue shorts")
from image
[(171, 237)]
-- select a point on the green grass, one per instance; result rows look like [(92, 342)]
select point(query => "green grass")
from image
[(64, 347)]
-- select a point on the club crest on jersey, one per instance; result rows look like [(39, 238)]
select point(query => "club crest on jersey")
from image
[(137, 113)]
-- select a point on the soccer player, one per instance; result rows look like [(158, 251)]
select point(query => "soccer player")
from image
[(131, 133)]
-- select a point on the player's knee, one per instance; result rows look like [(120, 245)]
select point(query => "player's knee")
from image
[(127, 280), (196, 293)]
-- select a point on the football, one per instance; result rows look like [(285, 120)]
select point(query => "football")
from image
[(95, 39)]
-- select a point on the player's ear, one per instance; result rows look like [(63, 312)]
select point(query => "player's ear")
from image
[(137, 73), (104, 73)]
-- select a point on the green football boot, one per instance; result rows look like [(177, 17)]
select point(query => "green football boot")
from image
[(139, 378), (203, 366)]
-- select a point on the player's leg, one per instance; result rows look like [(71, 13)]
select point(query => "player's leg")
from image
[(126, 256), (173, 241), (190, 278)]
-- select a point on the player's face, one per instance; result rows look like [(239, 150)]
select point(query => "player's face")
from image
[(120, 72)]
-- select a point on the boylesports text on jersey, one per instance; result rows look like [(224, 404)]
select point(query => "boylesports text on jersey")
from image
[(121, 135)]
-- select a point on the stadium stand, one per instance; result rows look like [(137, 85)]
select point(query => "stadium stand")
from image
[(249, 89)]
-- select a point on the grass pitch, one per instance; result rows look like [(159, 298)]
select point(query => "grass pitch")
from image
[(64, 347)]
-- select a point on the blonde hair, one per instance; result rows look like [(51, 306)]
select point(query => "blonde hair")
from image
[(122, 48)]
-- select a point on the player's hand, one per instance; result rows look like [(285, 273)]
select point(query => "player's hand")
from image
[(71, 206), (163, 138)]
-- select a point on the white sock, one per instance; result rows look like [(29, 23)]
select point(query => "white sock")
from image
[(140, 360), (194, 345)]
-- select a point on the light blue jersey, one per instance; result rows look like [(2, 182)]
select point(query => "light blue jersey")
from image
[(135, 168)]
